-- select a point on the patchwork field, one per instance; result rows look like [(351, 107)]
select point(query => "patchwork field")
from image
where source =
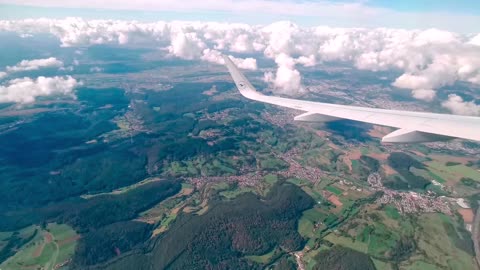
[(452, 174), (51, 248), (442, 244)]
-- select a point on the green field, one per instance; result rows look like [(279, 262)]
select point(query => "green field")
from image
[(263, 259), (382, 239), (452, 173), (168, 219), (298, 181), (307, 222), (52, 246), (438, 247), (273, 164), (392, 212), (122, 189), (200, 166), (364, 150), (334, 190), (232, 193), (355, 165), (314, 194), (436, 177), (271, 179), (347, 242)]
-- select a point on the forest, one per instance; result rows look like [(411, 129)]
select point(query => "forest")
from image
[(229, 231), (101, 215), (402, 163), (342, 258)]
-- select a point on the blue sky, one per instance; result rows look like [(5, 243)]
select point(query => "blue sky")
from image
[(454, 15), (471, 7)]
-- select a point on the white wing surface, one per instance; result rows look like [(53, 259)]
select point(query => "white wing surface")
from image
[(412, 126)]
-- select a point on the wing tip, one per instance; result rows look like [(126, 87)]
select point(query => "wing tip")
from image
[(225, 57), (243, 84)]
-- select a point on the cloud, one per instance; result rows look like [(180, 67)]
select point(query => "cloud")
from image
[(186, 45), (475, 40), (457, 62), (2, 75), (424, 94), (26, 90), (287, 79), (426, 59), (457, 105), (26, 35), (27, 65), (354, 13), (96, 69), (69, 68), (307, 61)]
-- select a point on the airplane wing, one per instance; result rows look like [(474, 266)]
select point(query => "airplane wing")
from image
[(413, 127)]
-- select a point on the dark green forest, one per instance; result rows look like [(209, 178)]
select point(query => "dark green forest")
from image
[(103, 215), (229, 231), (402, 163), (342, 258)]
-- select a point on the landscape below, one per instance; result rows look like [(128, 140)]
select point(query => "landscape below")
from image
[(193, 176)]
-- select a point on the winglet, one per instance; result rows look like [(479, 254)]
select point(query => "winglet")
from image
[(243, 85)]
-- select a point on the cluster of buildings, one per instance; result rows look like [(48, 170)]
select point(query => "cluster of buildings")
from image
[(281, 119), (375, 180), (313, 175), (454, 145), (130, 124), (296, 170), (218, 115), (210, 133), (386, 103), (409, 202), (344, 92), (135, 124), (412, 202)]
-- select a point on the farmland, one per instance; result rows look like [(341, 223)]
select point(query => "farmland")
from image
[(52, 246)]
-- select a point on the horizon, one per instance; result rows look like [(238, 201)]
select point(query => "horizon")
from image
[(460, 17)]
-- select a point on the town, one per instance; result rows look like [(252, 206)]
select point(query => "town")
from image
[(409, 202)]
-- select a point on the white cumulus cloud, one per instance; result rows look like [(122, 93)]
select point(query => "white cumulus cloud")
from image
[(424, 94), (354, 13), (475, 40), (26, 90), (287, 79), (426, 59), (27, 65), (186, 45), (69, 68), (2, 75), (457, 105)]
